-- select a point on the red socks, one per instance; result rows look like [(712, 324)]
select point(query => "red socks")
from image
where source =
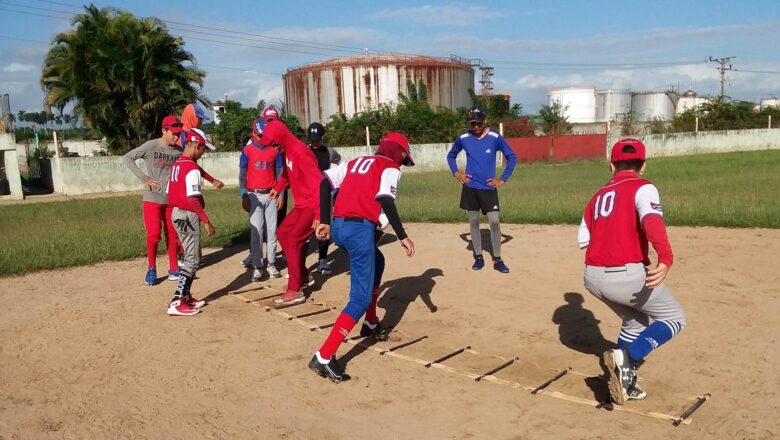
[(341, 328), (371, 312)]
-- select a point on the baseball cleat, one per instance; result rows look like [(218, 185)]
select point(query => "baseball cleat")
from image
[(289, 299), (635, 393), (193, 302), (620, 374), (273, 272), (324, 268), (257, 274), (498, 264), (180, 308), (479, 262), (377, 331), (151, 276), (330, 370), (173, 275)]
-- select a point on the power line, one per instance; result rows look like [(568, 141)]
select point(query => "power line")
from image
[(722, 69), (597, 65)]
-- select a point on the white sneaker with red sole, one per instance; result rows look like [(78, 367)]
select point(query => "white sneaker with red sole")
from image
[(180, 308)]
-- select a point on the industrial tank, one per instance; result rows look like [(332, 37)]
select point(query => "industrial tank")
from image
[(611, 105), (769, 102), (689, 100), (578, 103), (349, 85), (650, 105)]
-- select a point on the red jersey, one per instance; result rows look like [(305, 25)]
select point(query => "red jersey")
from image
[(184, 187), (361, 181), (618, 221), (260, 165), (302, 174)]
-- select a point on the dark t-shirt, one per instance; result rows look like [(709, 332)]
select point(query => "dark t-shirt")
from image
[(323, 157)]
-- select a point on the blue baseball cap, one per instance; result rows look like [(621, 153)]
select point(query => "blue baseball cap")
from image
[(257, 127), (199, 111)]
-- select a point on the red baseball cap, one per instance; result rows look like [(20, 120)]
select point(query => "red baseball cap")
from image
[(273, 132), (196, 135), (270, 113), (398, 138), (172, 123), (618, 152)]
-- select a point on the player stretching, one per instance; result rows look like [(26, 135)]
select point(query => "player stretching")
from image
[(618, 222), (184, 194), (303, 176), (479, 183), (367, 185)]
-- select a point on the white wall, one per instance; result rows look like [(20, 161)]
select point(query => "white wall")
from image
[(680, 144)]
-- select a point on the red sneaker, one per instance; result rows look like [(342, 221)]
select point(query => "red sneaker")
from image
[(193, 302), (180, 308)]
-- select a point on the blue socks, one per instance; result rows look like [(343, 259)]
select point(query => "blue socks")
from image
[(655, 335)]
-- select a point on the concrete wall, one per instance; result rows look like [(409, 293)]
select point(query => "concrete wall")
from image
[(680, 144), (11, 164), (84, 175)]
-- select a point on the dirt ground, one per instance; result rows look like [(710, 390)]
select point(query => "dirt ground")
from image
[(90, 353)]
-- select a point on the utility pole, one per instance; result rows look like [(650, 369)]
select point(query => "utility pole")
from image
[(722, 69)]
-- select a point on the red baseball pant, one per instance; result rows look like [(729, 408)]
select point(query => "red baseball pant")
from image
[(293, 234), (155, 216)]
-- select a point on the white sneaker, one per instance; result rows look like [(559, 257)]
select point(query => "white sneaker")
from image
[(257, 275), (273, 272), (180, 308)]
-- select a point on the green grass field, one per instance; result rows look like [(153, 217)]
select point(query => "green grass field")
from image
[(730, 190)]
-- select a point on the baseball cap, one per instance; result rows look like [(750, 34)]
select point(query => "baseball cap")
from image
[(257, 127), (270, 113), (273, 132), (199, 111), (197, 135), (316, 132), (172, 123), (621, 152), (398, 138), (476, 114)]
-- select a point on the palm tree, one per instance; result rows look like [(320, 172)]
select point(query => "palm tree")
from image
[(123, 74)]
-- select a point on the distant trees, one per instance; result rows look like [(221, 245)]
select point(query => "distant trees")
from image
[(123, 74), (718, 115), (552, 120)]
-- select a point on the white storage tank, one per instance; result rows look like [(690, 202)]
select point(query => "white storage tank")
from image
[(769, 102), (689, 100), (649, 105), (349, 85), (578, 103), (611, 105)]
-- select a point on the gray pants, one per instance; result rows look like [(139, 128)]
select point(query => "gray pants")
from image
[(187, 226), (262, 213), (623, 290)]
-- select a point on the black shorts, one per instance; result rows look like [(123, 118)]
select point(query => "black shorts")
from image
[(485, 200)]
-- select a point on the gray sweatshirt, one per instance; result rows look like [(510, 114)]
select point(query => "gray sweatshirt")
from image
[(158, 159)]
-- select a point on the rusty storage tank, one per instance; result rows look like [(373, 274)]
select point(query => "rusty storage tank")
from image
[(317, 91)]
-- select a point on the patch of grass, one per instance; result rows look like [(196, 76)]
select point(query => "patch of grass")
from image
[(730, 190)]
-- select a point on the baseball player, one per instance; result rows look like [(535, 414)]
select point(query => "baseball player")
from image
[(367, 186), (159, 155), (617, 224), (256, 179), (184, 193), (480, 187), (327, 158), (303, 176)]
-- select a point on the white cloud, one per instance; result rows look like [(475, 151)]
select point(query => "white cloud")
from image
[(18, 67), (439, 15)]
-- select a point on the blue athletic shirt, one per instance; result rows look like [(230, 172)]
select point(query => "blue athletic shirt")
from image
[(481, 157)]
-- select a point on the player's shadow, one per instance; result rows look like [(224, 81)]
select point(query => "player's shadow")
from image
[(396, 298), (578, 328), (243, 279), (487, 244)]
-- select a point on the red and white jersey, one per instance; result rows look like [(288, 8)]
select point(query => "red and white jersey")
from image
[(360, 181), (185, 181), (611, 226)]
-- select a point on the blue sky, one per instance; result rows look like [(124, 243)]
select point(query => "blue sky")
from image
[(533, 46)]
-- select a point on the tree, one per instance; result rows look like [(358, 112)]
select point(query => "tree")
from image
[(235, 126), (552, 120), (123, 74)]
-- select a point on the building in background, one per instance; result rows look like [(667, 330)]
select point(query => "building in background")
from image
[(348, 85)]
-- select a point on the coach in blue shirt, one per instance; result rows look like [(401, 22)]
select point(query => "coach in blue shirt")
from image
[(479, 192)]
